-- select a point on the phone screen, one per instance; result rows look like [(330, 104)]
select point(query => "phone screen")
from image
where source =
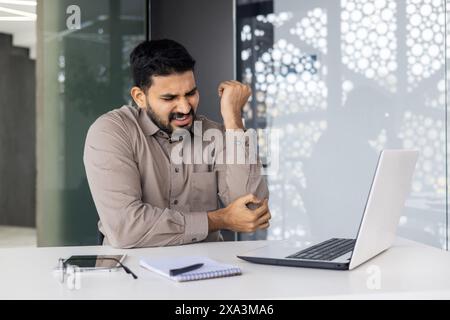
[(96, 261)]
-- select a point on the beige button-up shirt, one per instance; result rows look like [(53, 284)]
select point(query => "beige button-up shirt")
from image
[(143, 198)]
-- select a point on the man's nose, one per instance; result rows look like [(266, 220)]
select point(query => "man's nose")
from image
[(183, 106)]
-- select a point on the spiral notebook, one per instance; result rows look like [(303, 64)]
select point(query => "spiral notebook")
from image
[(210, 268)]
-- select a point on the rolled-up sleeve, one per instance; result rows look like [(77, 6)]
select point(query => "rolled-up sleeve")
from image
[(239, 178), (115, 185)]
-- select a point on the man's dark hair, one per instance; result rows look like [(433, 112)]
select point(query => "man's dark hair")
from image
[(158, 58)]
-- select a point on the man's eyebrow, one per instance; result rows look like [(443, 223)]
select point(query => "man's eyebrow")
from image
[(169, 95), (192, 91)]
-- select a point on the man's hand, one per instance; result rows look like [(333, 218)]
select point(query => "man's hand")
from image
[(234, 95), (238, 217)]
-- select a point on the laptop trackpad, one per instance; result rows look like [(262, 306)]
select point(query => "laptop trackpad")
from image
[(278, 250)]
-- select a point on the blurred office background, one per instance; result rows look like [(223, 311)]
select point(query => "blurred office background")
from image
[(339, 80)]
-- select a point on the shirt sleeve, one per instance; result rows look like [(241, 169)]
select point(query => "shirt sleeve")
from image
[(115, 185), (240, 174)]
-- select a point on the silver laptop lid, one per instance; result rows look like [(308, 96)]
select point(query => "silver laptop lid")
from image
[(391, 185)]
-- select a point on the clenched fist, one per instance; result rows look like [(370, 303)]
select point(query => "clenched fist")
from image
[(234, 95), (238, 217)]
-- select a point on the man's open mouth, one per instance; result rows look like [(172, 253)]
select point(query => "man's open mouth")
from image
[(181, 120)]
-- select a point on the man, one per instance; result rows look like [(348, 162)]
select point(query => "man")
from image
[(145, 198)]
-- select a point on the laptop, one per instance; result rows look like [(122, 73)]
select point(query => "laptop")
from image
[(390, 186)]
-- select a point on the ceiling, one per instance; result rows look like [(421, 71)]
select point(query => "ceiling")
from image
[(18, 17)]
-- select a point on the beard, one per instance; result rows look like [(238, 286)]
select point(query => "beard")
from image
[(165, 126)]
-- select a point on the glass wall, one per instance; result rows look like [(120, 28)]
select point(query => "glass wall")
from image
[(447, 81), (82, 73), (342, 80)]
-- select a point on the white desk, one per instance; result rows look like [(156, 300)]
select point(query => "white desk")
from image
[(408, 270)]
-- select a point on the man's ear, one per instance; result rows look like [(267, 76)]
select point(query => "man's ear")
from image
[(139, 97)]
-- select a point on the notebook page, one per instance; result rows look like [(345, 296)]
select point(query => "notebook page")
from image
[(210, 269)]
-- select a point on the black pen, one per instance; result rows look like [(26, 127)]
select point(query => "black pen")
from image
[(175, 272)]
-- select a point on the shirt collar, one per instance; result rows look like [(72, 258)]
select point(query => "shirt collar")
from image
[(147, 125)]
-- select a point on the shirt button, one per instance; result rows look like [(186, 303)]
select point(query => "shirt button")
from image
[(176, 170), (181, 138), (175, 202)]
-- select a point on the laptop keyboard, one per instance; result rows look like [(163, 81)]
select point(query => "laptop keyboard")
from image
[(326, 251)]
